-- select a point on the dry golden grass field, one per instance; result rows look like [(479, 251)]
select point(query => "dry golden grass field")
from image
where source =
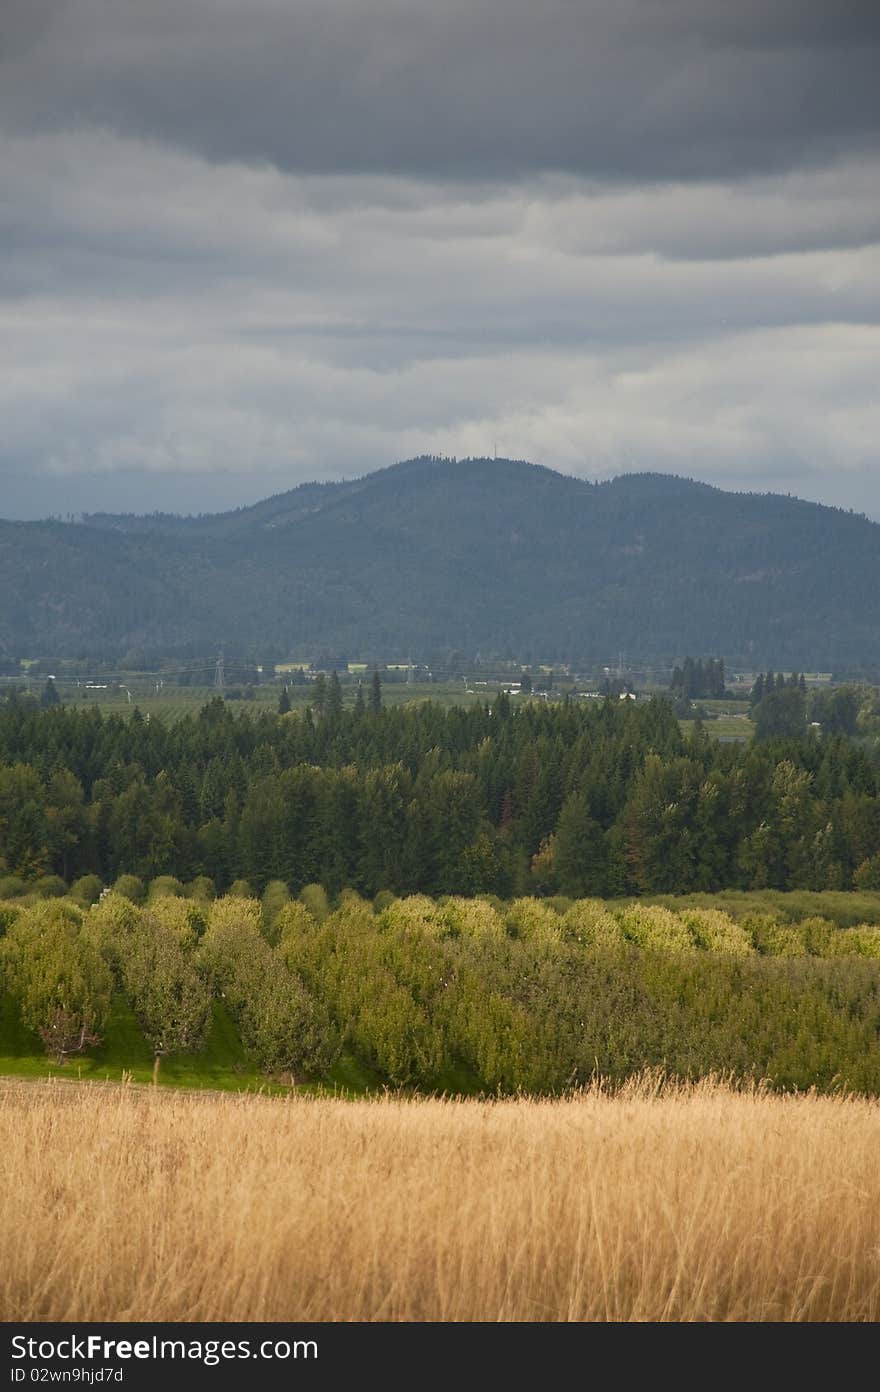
[(687, 1203)]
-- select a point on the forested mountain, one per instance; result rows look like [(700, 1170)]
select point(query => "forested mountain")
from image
[(434, 554)]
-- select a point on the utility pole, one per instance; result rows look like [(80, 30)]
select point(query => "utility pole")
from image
[(219, 676)]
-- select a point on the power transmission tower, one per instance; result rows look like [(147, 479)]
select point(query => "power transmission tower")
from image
[(219, 676)]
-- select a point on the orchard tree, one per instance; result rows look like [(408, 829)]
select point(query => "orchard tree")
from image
[(56, 972), (130, 887), (168, 993), (282, 1027), (86, 890), (234, 930), (276, 896)]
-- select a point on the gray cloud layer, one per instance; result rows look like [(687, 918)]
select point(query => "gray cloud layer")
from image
[(619, 89), (246, 244)]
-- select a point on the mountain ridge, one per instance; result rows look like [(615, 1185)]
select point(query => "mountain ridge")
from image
[(315, 489), (433, 554)]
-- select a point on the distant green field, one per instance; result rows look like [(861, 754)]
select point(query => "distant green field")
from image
[(174, 702), (725, 727)]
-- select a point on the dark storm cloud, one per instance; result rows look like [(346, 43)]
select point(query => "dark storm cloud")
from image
[(620, 89)]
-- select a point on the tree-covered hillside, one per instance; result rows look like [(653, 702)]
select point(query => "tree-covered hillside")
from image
[(434, 555)]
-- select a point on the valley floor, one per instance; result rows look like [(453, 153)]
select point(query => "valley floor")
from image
[(654, 1203)]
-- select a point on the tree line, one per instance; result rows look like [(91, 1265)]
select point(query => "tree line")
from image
[(782, 706), (695, 679), (606, 798)]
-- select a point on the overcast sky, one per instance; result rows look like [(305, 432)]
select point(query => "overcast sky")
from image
[(248, 243)]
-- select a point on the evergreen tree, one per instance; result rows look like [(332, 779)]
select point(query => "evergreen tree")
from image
[(50, 695), (319, 700), (376, 693), (580, 854), (334, 696), (284, 701), (501, 707)]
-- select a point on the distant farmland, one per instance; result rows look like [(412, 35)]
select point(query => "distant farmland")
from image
[(172, 703)]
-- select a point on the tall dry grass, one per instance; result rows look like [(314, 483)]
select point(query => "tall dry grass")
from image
[(682, 1204)]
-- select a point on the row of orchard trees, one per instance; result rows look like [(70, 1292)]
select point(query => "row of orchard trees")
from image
[(170, 959), (541, 997), (533, 995)]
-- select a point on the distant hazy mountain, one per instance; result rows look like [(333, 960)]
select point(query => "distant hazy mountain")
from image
[(433, 555)]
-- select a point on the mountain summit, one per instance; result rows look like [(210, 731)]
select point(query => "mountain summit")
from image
[(436, 554)]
